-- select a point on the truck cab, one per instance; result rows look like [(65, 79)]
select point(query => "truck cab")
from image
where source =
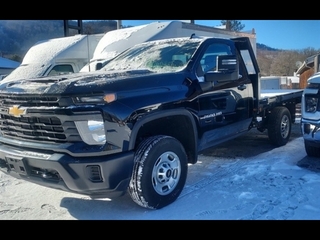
[(228, 86)]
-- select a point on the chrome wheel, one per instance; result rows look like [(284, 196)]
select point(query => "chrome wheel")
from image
[(285, 127), (166, 173)]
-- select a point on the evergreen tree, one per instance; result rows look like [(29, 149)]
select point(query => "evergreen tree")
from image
[(233, 25)]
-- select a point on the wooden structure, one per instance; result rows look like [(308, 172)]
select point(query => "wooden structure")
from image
[(310, 66)]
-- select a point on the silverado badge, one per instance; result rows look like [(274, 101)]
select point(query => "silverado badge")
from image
[(15, 111)]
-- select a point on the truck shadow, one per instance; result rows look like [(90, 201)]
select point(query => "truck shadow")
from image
[(248, 145), (121, 208), (310, 163)]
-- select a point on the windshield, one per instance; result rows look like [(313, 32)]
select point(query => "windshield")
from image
[(168, 55)]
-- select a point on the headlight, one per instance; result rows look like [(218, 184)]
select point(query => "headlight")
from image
[(91, 99), (92, 132), (311, 104)]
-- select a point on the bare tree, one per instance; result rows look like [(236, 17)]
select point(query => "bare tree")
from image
[(233, 25), (282, 62), (307, 52), (285, 63), (264, 62)]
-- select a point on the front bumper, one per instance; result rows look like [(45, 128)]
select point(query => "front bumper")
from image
[(98, 176), (310, 131)]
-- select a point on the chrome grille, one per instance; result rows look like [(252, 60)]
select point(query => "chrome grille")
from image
[(38, 129), (29, 101), (39, 124)]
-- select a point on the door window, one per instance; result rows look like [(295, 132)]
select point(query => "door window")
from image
[(209, 60)]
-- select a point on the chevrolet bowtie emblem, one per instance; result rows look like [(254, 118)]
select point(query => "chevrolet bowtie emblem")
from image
[(15, 111)]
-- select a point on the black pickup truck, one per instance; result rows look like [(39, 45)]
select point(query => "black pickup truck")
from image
[(135, 125)]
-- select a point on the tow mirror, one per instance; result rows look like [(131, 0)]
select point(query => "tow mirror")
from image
[(227, 69)]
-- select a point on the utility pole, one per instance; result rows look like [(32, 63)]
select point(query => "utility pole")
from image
[(67, 26), (119, 24), (228, 25)]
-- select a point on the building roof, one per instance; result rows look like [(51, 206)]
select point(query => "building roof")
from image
[(307, 64), (7, 63)]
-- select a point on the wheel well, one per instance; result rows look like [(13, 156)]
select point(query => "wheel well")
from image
[(292, 107), (177, 126)]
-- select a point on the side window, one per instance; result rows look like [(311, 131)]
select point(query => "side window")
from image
[(247, 61), (209, 60), (61, 69)]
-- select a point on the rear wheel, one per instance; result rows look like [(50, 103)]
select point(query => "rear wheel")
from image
[(279, 126), (159, 173), (311, 150)]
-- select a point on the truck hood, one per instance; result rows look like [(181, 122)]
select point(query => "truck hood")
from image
[(86, 82)]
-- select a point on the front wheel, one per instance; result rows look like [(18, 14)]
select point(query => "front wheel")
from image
[(159, 173), (279, 126)]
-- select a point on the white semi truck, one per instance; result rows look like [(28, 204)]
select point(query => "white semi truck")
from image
[(56, 56), (116, 41)]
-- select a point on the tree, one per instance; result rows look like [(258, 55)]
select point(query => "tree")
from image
[(285, 63), (14, 57), (233, 25), (307, 52), (264, 61)]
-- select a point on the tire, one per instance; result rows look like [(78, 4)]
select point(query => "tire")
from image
[(311, 150), (159, 172), (279, 126)]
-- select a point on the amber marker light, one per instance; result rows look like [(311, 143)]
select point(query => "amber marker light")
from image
[(110, 97)]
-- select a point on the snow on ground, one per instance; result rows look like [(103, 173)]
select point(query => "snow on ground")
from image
[(280, 184)]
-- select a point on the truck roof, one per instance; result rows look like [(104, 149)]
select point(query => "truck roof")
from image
[(46, 52), (116, 41)]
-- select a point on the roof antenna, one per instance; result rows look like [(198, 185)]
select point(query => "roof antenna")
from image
[(192, 35)]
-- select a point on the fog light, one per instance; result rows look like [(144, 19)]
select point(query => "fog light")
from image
[(94, 173)]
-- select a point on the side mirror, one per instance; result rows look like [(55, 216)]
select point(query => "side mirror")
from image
[(227, 69), (227, 63)]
